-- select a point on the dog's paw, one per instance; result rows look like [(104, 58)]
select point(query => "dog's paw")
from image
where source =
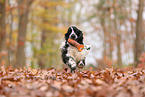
[(73, 68), (80, 64), (88, 47)]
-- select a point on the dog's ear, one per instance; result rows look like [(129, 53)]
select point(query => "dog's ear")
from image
[(67, 34), (81, 34), (80, 37)]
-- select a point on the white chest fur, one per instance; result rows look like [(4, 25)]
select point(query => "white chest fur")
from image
[(73, 52)]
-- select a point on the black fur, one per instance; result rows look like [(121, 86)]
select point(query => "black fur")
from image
[(78, 33)]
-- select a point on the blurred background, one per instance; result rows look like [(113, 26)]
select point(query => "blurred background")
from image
[(31, 31)]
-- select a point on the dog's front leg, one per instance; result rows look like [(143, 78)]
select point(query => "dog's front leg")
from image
[(72, 64)]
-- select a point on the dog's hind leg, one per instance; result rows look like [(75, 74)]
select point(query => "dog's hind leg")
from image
[(81, 63)]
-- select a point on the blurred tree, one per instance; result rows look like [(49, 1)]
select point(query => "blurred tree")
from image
[(117, 33), (44, 37), (46, 48), (3, 50), (113, 17), (139, 32), (67, 13), (112, 21), (12, 29), (10, 14), (24, 7)]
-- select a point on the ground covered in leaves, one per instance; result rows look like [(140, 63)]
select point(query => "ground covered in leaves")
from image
[(54, 83)]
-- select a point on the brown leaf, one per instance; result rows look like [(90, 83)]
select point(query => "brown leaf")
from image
[(107, 78)]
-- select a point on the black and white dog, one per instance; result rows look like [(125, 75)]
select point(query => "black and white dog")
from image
[(70, 54)]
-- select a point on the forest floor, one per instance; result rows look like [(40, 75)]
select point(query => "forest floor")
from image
[(129, 82)]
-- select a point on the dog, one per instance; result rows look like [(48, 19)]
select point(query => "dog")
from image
[(70, 54)]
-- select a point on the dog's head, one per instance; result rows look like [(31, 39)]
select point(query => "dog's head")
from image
[(75, 34)]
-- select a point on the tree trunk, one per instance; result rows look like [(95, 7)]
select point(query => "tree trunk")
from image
[(132, 27), (119, 55), (22, 27), (2, 32), (41, 60), (118, 36), (139, 31), (10, 36), (110, 31), (105, 37), (110, 39)]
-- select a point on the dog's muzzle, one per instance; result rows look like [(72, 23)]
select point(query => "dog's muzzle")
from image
[(73, 36)]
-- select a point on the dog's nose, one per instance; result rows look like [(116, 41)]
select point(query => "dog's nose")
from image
[(73, 36)]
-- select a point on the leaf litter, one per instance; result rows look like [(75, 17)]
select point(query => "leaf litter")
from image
[(86, 83)]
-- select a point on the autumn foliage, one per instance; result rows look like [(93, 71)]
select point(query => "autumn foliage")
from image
[(88, 83), (31, 32)]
